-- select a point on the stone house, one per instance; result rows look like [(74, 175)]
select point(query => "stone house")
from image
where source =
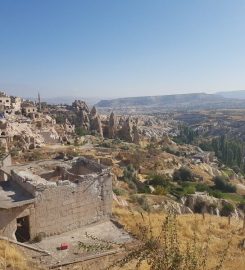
[(52, 196), (9, 104), (28, 109), (16, 103), (5, 100)]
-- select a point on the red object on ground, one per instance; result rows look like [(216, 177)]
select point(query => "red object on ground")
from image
[(64, 246)]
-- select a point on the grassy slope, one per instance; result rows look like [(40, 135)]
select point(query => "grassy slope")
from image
[(220, 232), (11, 257)]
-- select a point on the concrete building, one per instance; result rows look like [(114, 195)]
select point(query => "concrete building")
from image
[(51, 197), (5, 100), (9, 104), (28, 109), (16, 104)]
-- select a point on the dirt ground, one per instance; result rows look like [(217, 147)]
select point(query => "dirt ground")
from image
[(105, 231)]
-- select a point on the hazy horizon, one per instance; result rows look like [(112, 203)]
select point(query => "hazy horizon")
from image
[(66, 94), (121, 48)]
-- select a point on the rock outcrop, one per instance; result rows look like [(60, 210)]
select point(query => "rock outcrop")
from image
[(129, 131), (79, 105), (95, 122), (112, 126), (125, 129), (201, 202)]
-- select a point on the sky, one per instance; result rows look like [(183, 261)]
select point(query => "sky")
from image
[(118, 48)]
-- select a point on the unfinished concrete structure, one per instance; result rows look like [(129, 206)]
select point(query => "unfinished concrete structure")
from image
[(51, 197)]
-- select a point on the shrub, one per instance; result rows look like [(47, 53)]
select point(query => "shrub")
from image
[(33, 156), (60, 119), (189, 190), (105, 144), (119, 191), (38, 238), (199, 207), (124, 147), (202, 187), (183, 174), (142, 201), (221, 184), (132, 186), (129, 172), (215, 193), (159, 180), (227, 210), (242, 206), (159, 190), (171, 150), (81, 131)]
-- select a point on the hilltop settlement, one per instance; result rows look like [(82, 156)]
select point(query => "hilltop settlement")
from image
[(68, 170)]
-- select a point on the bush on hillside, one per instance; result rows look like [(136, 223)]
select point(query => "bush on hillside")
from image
[(183, 174), (222, 184), (227, 210), (159, 180)]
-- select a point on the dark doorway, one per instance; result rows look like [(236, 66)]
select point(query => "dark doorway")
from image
[(22, 233)]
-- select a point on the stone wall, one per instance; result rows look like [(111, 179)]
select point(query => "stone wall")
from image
[(8, 224), (62, 205), (71, 206), (62, 208)]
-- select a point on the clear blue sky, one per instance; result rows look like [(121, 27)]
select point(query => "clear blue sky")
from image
[(121, 47)]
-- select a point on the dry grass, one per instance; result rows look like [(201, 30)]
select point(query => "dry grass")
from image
[(11, 258), (218, 229)]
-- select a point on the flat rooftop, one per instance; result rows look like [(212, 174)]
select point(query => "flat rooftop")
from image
[(13, 196)]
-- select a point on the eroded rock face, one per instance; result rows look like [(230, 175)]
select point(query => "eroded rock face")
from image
[(171, 206), (126, 132), (203, 203), (84, 118), (129, 131), (112, 126), (79, 105), (95, 122), (136, 136)]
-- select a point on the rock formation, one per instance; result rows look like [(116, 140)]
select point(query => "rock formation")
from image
[(112, 126), (203, 203), (136, 136), (129, 131), (126, 132), (79, 105), (95, 122)]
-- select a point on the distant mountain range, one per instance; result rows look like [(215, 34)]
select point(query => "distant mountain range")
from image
[(165, 100), (193, 100), (239, 94), (178, 101)]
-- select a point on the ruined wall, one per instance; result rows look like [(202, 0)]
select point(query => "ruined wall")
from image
[(65, 197), (62, 208), (8, 218), (71, 206)]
